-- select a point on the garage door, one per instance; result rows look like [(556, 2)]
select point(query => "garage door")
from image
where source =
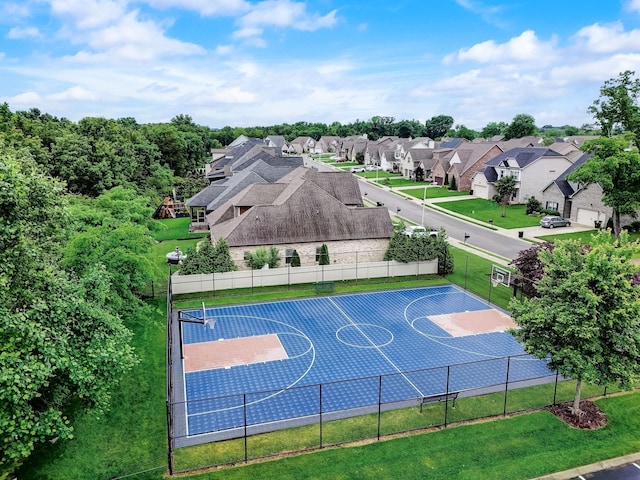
[(589, 217), (480, 191)]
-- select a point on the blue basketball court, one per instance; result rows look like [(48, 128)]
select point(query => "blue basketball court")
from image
[(260, 364)]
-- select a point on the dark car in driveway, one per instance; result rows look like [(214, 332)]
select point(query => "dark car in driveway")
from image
[(551, 221)]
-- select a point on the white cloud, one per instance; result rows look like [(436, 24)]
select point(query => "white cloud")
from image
[(73, 93), (19, 33), (224, 49), (205, 7), (13, 11), (608, 38), (524, 48), (88, 14), (139, 39), (490, 14), (633, 5), (281, 14)]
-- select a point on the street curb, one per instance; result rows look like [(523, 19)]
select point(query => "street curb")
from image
[(594, 467)]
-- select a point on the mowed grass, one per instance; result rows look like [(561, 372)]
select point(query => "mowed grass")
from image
[(433, 192), (485, 211), (521, 447), (175, 229)]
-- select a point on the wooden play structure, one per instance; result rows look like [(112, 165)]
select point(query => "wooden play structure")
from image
[(170, 208)]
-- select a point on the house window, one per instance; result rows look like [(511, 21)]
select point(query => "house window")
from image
[(288, 256), (318, 251), (247, 255), (552, 206)]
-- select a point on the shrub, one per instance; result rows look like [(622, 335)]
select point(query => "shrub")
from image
[(295, 259), (533, 205), (263, 256), (324, 255)]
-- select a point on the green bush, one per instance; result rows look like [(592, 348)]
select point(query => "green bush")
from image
[(263, 256), (533, 206)]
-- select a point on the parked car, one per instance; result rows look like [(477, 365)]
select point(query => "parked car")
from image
[(551, 221), (356, 169), (340, 160), (373, 168), (419, 231)]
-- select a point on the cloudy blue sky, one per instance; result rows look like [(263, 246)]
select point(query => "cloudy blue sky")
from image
[(263, 62)]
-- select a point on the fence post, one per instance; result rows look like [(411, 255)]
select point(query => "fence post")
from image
[(379, 403), (169, 373), (446, 402), (555, 389), (356, 267), (320, 406), (244, 411), (466, 271), (506, 387)]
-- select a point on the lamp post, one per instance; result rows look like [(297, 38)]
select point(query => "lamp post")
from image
[(424, 199)]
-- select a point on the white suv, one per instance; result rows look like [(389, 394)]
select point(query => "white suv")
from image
[(356, 169), (419, 231)]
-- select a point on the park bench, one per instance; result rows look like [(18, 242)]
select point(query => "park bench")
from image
[(443, 397), (323, 287)]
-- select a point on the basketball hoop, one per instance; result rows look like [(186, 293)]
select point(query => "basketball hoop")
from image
[(210, 322)]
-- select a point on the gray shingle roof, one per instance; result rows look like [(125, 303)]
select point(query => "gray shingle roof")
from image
[(568, 188), (306, 206)]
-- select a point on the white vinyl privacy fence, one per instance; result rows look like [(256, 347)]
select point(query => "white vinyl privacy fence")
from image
[(296, 275)]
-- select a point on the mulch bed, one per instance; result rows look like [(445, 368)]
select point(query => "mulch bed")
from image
[(590, 418)]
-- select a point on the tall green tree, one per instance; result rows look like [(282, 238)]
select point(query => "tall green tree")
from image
[(586, 319), (506, 186), (438, 126), (616, 168), (324, 255), (492, 129), (617, 107), (523, 125), (62, 342)]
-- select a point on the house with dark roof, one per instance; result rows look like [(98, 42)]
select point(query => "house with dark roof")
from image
[(277, 142), (579, 203), (301, 212), (301, 145), (533, 168), (467, 160), (218, 192), (226, 162)]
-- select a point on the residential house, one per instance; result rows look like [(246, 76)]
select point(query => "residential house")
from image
[(300, 145), (351, 147), (374, 148), (469, 159), (278, 143), (219, 191), (533, 168), (580, 203), (303, 211), (226, 163), (327, 144)]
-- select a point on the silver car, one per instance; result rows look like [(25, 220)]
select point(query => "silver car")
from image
[(551, 221)]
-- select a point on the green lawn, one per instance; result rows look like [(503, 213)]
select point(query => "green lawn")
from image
[(522, 447), (174, 229), (132, 436), (486, 210), (433, 192)]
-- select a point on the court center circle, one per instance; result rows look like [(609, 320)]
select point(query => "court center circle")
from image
[(364, 335)]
